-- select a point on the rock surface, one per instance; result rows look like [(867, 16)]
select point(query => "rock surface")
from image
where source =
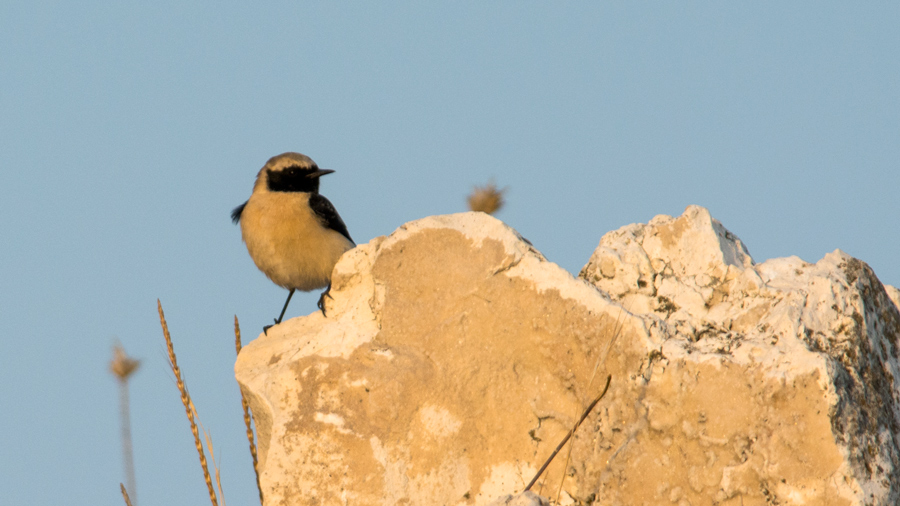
[(523, 499), (455, 357), (774, 383)]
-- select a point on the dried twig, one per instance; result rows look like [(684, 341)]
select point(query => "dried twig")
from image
[(122, 366), (247, 419), (125, 495), (569, 435), (186, 400), (601, 361)]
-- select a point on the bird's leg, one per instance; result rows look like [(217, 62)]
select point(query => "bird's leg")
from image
[(321, 303), (288, 301), (278, 320)]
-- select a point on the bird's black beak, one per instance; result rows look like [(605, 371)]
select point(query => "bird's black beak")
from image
[(319, 173)]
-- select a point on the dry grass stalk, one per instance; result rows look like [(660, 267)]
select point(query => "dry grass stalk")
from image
[(188, 404), (211, 450), (487, 199), (122, 367), (125, 495), (601, 362), (247, 419), (568, 436)]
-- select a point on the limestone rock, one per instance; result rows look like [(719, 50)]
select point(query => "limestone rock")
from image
[(894, 294), (774, 383), (455, 357), (523, 499)]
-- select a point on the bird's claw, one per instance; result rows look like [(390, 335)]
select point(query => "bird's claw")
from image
[(321, 303)]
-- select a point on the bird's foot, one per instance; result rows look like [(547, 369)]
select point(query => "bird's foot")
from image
[(321, 303), (267, 327)]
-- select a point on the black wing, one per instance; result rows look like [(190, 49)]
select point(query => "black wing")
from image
[(236, 213), (328, 215)]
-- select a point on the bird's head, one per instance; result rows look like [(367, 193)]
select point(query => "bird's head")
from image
[(290, 172)]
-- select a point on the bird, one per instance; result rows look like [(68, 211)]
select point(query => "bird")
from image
[(294, 235)]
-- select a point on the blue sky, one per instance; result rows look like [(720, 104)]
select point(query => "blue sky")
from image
[(128, 132)]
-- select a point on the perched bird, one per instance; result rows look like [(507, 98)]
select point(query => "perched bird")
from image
[(293, 234)]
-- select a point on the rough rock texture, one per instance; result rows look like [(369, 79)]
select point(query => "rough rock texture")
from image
[(523, 499), (455, 357), (774, 383)]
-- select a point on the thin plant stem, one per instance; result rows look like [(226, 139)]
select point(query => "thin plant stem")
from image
[(127, 449), (601, 360), (247, 418), (125, 495), (186, 400), (569, 435), (211, 450), (123, 367)]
